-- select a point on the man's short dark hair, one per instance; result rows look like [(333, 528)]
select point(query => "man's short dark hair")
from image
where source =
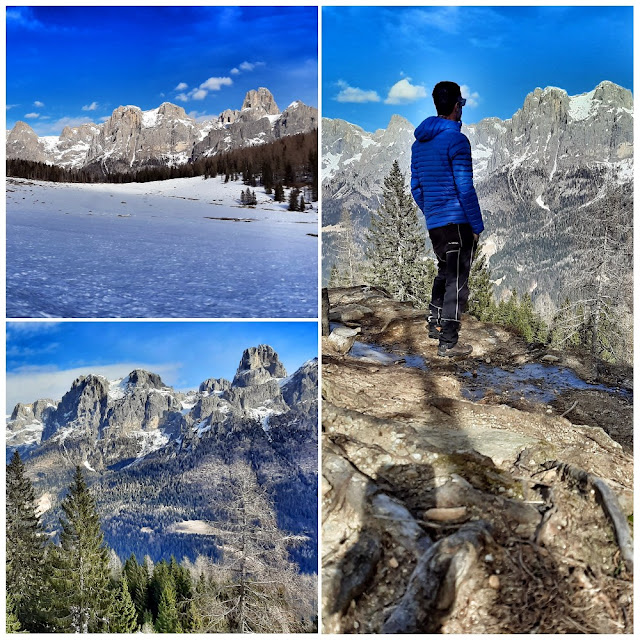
[(445, 95)]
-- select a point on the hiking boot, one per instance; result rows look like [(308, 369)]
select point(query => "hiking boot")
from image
[(456, 350), (434, 331)]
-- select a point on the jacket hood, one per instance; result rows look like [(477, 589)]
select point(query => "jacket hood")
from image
[(434, 125)]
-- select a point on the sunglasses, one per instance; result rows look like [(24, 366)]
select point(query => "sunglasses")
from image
[(462, 101)]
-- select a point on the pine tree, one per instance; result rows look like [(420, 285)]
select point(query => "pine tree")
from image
[(168, 619), (279, 193), (124, 618), (81, 600), (137, 582), (293, 199), (25, 553), (301, 205), (481, 302), (12, 624), (396, 249)]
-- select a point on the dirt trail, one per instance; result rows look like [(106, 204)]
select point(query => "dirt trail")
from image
[(476, 458)]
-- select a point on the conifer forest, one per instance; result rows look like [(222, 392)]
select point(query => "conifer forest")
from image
[(68, 580)]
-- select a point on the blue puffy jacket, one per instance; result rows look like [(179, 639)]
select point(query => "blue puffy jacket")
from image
[(442, 176)]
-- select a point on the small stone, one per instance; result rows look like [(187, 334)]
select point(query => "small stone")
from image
[(474, 373), (550, 358), (549, 410), (494, 582), (488, 558), (487, 360), (445, 514), (393, 563)]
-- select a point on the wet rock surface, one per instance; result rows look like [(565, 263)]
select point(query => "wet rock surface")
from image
[(447, 504)]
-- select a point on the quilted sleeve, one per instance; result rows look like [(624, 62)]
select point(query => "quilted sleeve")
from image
[(460, 155), (416, 188)]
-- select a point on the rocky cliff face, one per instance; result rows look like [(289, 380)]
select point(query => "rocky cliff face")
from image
[(132, 138), (108, 422), (455, 491), (542, 176)]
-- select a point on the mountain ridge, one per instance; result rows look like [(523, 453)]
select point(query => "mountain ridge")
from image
[(132, 138)]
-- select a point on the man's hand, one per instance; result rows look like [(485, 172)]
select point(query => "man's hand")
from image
[(476, 236)]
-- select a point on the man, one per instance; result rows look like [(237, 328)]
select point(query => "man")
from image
[(442, 186)]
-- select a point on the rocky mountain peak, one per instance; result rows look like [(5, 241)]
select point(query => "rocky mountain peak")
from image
[(172, 110), (22, 128), (611, 93), (142, 378), (258, 365), (261, 101)]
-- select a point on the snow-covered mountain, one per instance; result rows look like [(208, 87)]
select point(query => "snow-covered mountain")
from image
[(107, 423), (153, 455), (540, 176), (132, 138)]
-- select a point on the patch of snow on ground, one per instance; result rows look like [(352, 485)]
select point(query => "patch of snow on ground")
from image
[(580, 106), (117, 389), (50, 142), (176, 248), (43, 504), (29, 434), (88, 466), (330, 164), (202, 427), (541, 203)]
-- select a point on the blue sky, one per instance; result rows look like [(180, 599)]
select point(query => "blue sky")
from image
[(68, 65), (44, 358), (380, 61)]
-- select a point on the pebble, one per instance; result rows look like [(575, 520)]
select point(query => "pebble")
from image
[(488, 558), (487, 360), (393, 563), (494, 582)]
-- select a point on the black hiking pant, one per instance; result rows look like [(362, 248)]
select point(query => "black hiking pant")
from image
[(454, 246)]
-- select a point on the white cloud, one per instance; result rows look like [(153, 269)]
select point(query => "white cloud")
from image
[(23, 17), (32, 115), (90, 107), (472, 97), (202, 116), (246, 66), (215, 84), (181, 86), (11, 106), (30, 328), (404, 92), (201, 92), (354, 94), (29, 384), (38, 104)]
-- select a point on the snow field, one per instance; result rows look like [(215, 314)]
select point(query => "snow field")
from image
[(178, 248)]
